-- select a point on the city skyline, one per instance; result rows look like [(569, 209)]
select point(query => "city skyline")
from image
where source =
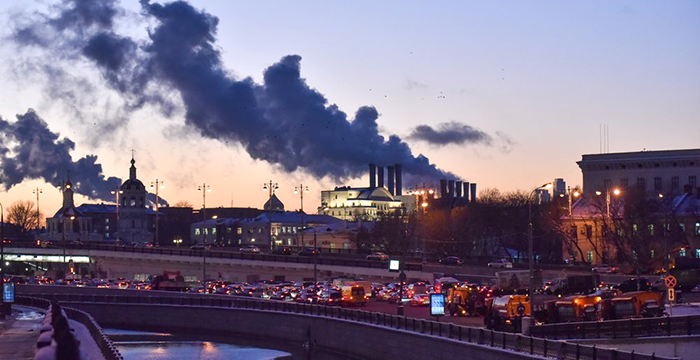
[(630, 66)]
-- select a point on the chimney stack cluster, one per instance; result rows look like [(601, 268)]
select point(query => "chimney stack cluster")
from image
[(457, 189), (394, 178)]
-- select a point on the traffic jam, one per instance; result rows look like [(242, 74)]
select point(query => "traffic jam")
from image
[(501, 304)]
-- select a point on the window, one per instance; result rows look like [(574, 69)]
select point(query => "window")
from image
[(589, 231), (697, 228), (206, 231), (652, 253), (641, 183), (228, 230), (634, 227), (658, 184), (589, 256), (213, 231), (697, 253), (574, 233), (197, 231), (650, 227), (133, 201), (239, 231), (675, 183), (106, 235), (681, 252), (692, 181), (106, 221), (107, 227), (624, 183)]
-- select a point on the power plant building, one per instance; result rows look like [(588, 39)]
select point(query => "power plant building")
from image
[(366, 203)]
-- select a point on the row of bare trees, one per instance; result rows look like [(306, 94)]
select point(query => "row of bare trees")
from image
[(494, 227)]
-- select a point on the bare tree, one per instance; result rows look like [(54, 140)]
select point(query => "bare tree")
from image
[(183, 203), (23, 215)]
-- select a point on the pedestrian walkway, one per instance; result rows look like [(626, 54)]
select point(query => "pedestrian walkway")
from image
[(19, 334)]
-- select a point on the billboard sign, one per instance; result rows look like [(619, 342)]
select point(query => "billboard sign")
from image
[(437, 304)]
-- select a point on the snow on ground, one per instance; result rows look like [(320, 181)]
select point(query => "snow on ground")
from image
[(684, 309)]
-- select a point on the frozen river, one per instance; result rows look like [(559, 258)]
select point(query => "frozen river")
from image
[(186, 350)]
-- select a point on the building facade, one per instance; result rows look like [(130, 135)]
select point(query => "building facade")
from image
[(662, 218), (657, 172)]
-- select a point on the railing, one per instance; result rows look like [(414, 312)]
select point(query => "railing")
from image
[(226, 255), (562, 350), (107, 348), (630, 328)]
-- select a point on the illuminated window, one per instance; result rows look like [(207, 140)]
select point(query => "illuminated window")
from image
[(697, 228), (697, 253), (589, 256), (239, 231), (681, 252), (213, 231), (650, 227), (652, 253), (197, 231)]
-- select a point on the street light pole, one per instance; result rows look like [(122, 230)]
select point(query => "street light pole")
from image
[(204, 189), (530, 252), (2, 261), (301, 190), (116, 192), (272, 186), (157, 185), (37, 191)]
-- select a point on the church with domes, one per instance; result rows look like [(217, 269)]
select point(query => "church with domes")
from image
[(134, 225)]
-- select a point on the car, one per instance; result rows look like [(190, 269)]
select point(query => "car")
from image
[(605, 269), (200, 247), (250, 248), (282, 251), (378, 256), (502, 263), (420, 300), (332, 298), (308, 252), (451, 260)]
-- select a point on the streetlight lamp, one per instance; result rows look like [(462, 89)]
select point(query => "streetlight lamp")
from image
[(272, 187), (531, 262), (574, 194), (157, 185), (36, 192)]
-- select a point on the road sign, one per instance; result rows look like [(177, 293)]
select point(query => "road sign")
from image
[(521, 309), (437, 304), (670, 281), (671, 295), (394, 265)]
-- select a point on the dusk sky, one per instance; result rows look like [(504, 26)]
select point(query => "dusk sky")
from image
[(531, 80)]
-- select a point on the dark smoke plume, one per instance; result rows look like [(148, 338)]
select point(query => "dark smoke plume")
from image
[(29, 150), (282, 121), (450, 133)]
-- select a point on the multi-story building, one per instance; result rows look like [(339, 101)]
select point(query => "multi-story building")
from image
[(598, 223), (133, 214), (286, 229), (657, 172)]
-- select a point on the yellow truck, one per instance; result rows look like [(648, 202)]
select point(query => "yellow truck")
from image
[(505, 313), (638, 304)]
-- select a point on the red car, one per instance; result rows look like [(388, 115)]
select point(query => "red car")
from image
[(420, 300)]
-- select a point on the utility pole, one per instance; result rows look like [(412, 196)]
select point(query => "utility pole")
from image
[(530, 252), (116, 192), (204, 189)]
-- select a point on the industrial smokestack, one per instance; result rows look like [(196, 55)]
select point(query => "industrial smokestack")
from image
[(399, 180), (372, 176), (380, 176), (443, 188), (390, 179), (466, 190), (458, 189), (451, 188), (473, 191)]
